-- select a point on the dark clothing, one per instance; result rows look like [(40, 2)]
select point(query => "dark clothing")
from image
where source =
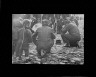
[(73, 35), (24, 38), (59, 26), (60, 23), (17, 43), (45, 39)]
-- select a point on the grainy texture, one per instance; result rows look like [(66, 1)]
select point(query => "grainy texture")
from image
[(59, 54)]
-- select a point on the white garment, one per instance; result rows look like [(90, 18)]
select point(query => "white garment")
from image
[(36, 26)]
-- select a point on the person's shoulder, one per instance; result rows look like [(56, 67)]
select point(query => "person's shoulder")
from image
[(51, 30), (70, 25), (38, 29), (47, 27)]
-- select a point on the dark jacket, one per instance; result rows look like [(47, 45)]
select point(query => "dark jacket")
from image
[(72, 30), (45, 37)]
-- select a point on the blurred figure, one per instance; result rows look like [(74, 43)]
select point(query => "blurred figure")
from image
[(45, 39), (71, 35), (59, 26), (21, 37), (74, 20), (22, 44), (36, 26)]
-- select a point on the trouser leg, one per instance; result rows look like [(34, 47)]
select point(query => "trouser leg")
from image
[(46, 51), (26, 49), (73, 40), (39, 51), (65, 40), (45, 46), (73, 44), (18, 49), (26, 53)]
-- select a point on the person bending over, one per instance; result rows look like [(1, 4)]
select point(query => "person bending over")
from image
[(71, 35), (45, 39)]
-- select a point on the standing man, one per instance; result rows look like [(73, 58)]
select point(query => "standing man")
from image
[(45, 39)]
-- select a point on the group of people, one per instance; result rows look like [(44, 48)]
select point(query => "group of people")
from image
[(44, 37), (70, 35)]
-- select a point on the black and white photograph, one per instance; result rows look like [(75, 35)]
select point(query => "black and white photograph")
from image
[(67, 76), (48, 39)]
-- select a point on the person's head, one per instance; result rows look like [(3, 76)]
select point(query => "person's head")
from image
[(45, 23)]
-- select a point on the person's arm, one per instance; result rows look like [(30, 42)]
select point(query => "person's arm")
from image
[(64, 30)]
